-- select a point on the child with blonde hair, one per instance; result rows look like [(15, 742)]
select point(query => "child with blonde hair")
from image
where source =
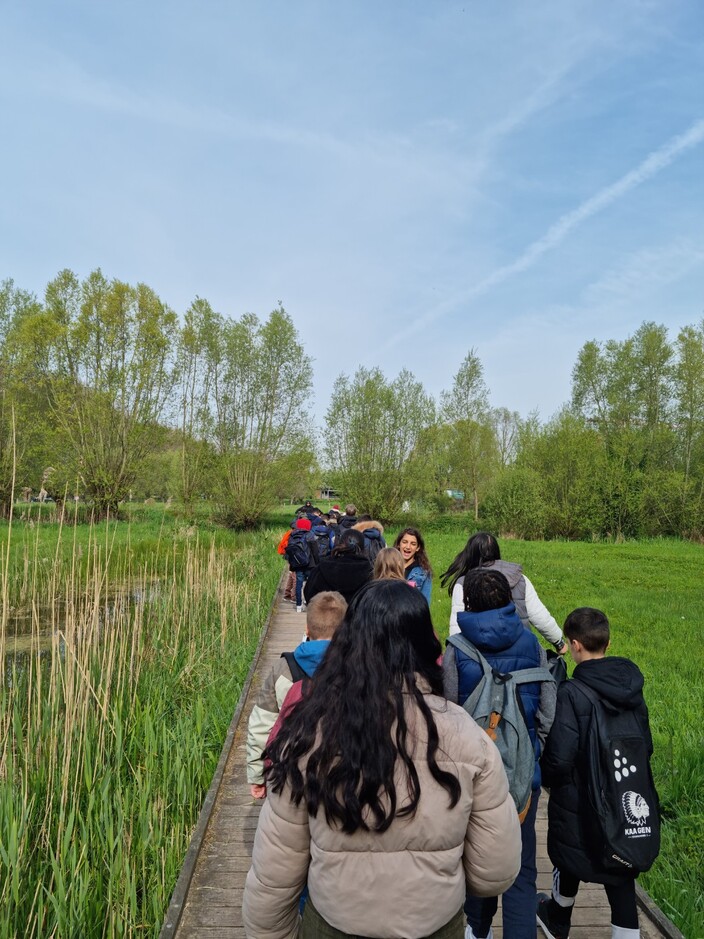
[(389, 565)]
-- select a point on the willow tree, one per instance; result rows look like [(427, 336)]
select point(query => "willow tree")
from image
[(260, 383), (24, 432), (464, 409), (373, 453), (197, 350), (103, 352)]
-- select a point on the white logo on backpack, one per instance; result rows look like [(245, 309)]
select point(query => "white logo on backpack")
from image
[(636, 810), (621, 767)]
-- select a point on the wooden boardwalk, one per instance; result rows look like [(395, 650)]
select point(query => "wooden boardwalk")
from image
[(207, 900)]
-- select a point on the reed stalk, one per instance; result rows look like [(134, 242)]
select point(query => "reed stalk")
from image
[(110, 732)]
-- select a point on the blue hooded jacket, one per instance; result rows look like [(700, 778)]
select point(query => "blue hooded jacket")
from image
[(309, 654), (507, 646)]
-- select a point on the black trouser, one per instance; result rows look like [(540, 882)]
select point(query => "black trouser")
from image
[(621, 897)]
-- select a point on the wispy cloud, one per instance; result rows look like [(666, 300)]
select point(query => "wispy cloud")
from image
[(654, 163), (644, 271)]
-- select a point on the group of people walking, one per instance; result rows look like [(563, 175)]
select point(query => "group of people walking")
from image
[(339, 551), (389, 811)]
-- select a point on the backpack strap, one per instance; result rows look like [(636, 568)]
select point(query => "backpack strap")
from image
[(464, 645), (297, 672), (588, 693), (522, 676)]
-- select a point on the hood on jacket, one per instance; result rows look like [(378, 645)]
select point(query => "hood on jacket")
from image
[(309, 654), (369, 528), (492, 630), (614, 679)]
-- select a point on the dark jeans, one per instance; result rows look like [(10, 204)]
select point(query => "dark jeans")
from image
[(313, 926), (518, 903), (622, 897), (301, 578)]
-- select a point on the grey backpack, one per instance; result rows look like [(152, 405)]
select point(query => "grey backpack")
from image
[(496, 706)]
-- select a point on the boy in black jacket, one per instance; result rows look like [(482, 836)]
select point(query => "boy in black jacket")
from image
[(564, 765)]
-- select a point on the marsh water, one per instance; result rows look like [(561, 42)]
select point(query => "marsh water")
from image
[(40, 631)]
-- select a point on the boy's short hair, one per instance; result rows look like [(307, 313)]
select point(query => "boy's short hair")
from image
[(325, 612), (351, 509), (588, 626), (485, 590)]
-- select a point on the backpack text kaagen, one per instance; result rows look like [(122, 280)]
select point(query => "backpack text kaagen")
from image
[(625, 833), (495, 704)]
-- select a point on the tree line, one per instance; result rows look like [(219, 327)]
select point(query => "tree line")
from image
[(106, 394)]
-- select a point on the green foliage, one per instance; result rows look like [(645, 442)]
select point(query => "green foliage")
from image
[(100, 354), (261, 380), (373, 454), (515, 504)]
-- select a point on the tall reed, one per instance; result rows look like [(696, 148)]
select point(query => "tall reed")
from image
[(108, 744)]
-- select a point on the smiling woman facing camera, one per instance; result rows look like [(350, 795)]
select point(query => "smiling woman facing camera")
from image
[(386, 799), (418, 571)]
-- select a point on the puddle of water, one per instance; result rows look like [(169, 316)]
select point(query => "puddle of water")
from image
[(30, 632)]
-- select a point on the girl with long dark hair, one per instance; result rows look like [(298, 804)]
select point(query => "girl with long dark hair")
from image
[(388, 800), (482, 551), (418, 570)]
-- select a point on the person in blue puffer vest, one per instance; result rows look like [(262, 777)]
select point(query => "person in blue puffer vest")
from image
[(490, 622)]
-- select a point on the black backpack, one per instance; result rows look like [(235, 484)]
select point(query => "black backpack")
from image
[(625, 831), (322, 536), (298, 550), (557, 666)]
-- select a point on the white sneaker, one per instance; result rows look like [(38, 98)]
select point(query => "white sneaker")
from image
[(468, 934), (299, 609)]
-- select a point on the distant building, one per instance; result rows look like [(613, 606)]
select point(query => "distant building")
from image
[(455, 494)]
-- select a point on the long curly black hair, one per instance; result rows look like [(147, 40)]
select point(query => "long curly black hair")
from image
[(351, 724)]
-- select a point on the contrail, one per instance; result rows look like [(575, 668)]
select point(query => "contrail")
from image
[(651, 165)]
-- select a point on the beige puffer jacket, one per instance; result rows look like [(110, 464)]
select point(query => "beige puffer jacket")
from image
[(411, 879)]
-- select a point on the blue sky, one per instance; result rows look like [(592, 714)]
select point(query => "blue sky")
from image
[(410, 179)]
